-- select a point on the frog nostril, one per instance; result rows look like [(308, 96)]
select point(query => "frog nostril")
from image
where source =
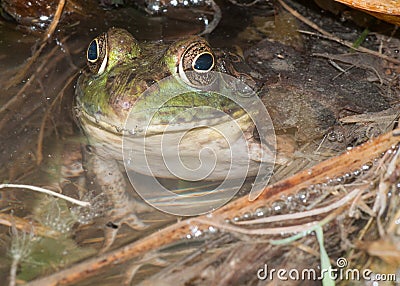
[(203, 62)]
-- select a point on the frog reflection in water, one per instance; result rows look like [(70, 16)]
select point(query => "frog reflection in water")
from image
[(121, 69)]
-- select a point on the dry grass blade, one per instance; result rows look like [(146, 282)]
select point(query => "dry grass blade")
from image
[(351, 160)]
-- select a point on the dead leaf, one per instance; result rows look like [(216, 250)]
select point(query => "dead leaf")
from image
[(387, 10)]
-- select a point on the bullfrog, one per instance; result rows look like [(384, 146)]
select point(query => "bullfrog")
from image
[(168, 95)]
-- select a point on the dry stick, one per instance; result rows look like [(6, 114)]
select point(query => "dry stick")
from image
[(22, 72), (45, 191), (333, 167), (56, 19), (333, 37), (215, 21)]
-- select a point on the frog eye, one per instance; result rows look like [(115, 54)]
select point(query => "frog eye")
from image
[(203, 62), (195, 64), (93, 51), (96, 54)]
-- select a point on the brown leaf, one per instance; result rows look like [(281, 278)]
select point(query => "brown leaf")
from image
[(387, 10)]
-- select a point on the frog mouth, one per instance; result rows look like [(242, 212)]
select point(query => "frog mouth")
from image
[(87, 119), (145, 122), (99, 122)]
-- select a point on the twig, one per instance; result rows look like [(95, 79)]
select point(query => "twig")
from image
[(258, 231), (45, 191), (56, 19), (216, 19), (307, 230)]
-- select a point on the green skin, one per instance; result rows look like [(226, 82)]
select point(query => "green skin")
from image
[(131, 69)]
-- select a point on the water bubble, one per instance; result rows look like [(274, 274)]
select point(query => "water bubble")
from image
[(347, 178), (289, 198), (367, 166), (247, 215), (331, 136), (260, 212), (302, 195), (195, 231), (278, 206), (340, 180)]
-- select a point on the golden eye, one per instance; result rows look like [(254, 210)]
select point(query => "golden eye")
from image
[(97, 54)]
